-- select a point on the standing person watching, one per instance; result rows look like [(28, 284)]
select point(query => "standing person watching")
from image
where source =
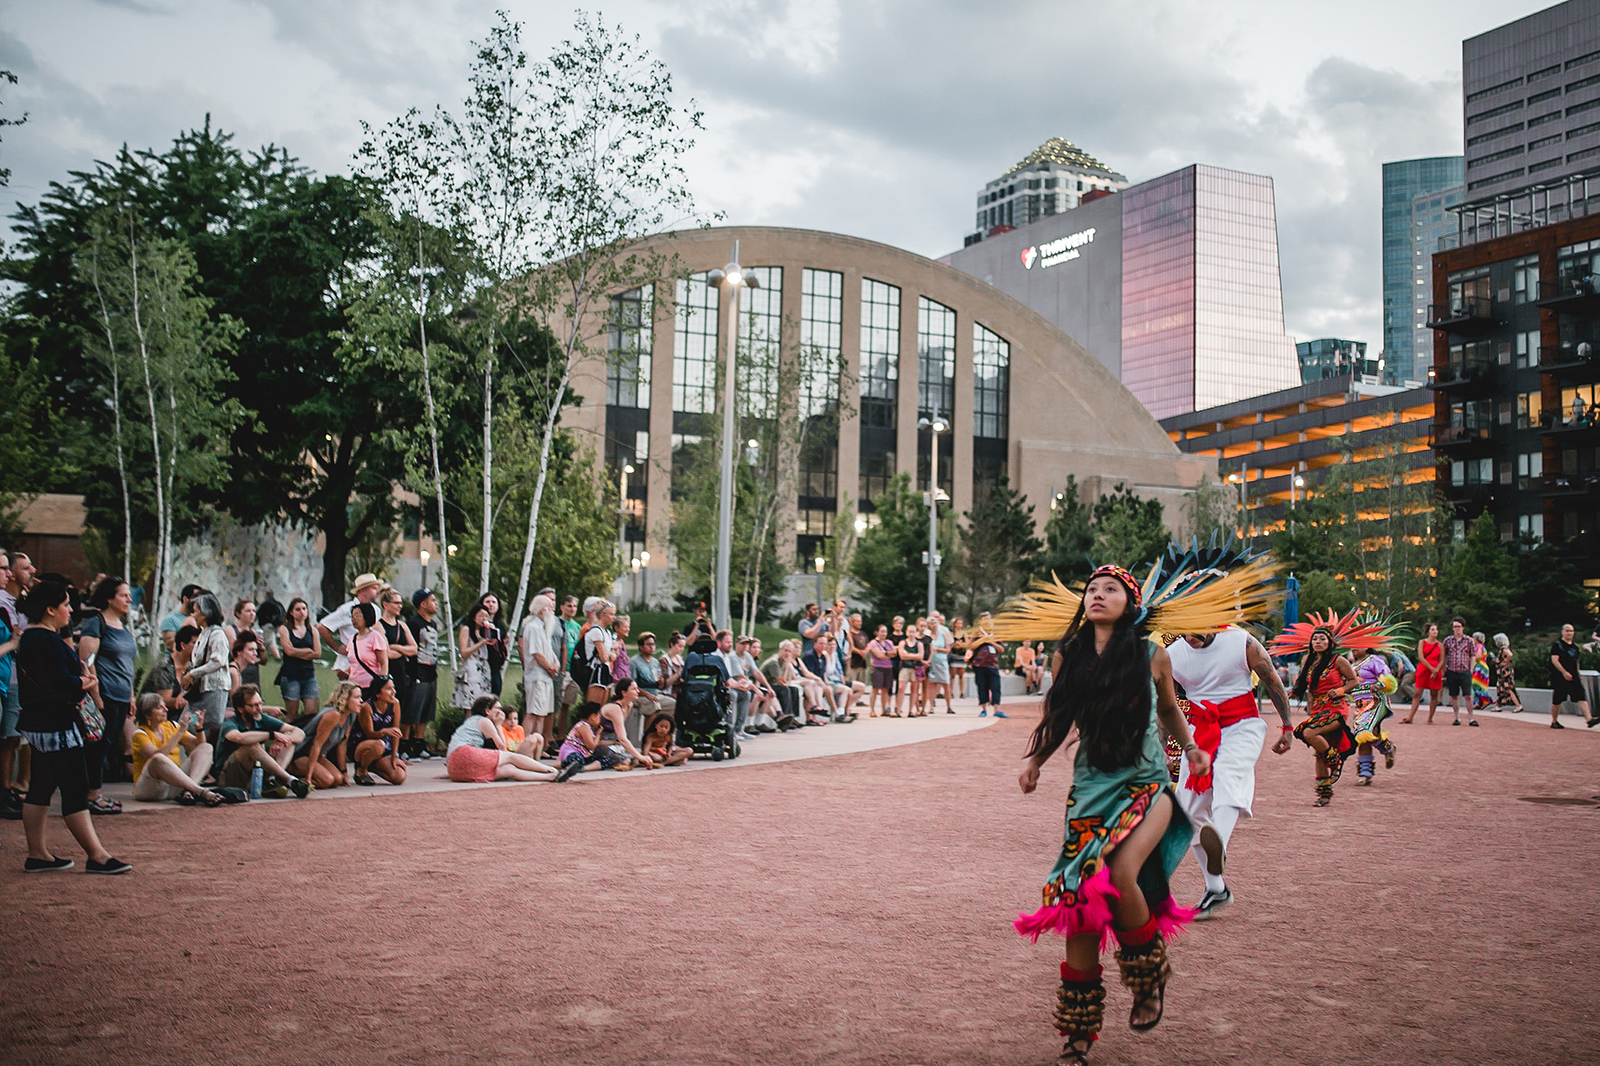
[(880, 654), (1459, 652), (402, 648), (909, 652), (1566, 682), (858, 639), (52, 683), (301, 646), (105, 640), (1505, 674), (177, 619), (958, 661), (246, 659), (368, 651), (986, 667), (416, 716), (812, 626), (157, 774), (472, 670), (1430, 673), (170, 677), (208, 666), (941, 640), (11, 627), (540, 669), (337, 629)]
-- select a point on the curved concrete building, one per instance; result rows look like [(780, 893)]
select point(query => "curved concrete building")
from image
[(916, 338)]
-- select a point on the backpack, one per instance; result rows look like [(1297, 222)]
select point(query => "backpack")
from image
[(579, 664)]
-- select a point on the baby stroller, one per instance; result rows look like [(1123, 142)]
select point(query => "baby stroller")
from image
[(704, 706)]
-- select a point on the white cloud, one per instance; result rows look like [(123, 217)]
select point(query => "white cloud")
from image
[(879, 118)]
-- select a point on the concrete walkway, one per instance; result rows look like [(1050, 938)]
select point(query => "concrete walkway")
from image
[(864, 734)]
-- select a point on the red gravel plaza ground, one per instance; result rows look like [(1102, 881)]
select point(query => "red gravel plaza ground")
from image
[(849, 909)]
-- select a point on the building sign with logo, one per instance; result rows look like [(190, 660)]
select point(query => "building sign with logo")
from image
[(1060, 250)]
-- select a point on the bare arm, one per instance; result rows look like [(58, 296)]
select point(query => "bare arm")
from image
[(1172, 720), (324, 633), (1555, 661), (613, 714), (1261, 663)]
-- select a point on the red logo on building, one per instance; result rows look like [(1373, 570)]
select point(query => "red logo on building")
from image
[(1029, 254)]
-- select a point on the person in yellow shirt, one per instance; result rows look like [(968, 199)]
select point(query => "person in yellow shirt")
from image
[(157, 742)]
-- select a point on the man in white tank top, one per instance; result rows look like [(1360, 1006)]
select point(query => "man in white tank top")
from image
[(1215, 672)]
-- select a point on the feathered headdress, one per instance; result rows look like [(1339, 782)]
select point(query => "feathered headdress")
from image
[(1188, 590), (1362, 629)]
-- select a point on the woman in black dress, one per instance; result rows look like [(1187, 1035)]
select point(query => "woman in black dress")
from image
[(52, 685)]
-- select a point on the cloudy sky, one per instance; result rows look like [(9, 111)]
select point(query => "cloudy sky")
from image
[(878, 118)]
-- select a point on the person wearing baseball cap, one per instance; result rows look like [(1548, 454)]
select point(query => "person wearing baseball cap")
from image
[(338, 629)]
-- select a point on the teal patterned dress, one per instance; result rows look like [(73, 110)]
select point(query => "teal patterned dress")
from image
[(1102, 809)]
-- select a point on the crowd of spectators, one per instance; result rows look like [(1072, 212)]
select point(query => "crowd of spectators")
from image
[(196, 727)]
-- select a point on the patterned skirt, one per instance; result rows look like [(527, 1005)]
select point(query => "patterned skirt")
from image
[(1326, 711), (1102, 809)]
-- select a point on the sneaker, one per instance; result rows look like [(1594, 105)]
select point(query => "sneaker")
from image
[(1590, 724), (743, 736), (1557, 725), (43, 866), (110, 866), (569, 770), (1212, 902), (984, 713), (1001, 714), (300, 787), (1473, 722), (949, 710), (10, 807), (276, 792)]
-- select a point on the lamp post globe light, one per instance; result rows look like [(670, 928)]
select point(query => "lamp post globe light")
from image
[(731, 279), (935, 427)]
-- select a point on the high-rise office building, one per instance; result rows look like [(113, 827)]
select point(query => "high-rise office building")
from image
[(1173, 284), (1418, 195), (1055, 177), (1531, 110)]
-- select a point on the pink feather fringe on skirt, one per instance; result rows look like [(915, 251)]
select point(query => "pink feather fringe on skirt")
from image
[(1092, 914)]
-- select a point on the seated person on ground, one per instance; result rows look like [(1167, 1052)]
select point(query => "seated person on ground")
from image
[(158, 747), (250, 736), (511, 729), (480, 751), (320, 757), (582, 745), (375, 735), (613, 723), (658, 742)]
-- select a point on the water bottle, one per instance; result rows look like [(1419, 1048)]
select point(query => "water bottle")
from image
[(255, 782)]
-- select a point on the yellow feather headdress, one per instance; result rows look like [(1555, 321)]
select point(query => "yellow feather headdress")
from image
[(1198, 590)]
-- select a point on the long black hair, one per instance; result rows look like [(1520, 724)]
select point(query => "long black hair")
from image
[(1106, 694), (1316, 662)]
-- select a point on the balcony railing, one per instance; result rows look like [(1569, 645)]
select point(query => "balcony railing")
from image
[(1457, 436), (1469, 314), (1474, 377), (1582, 483), (1570, 293)]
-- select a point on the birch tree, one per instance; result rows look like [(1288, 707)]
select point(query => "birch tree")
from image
[(106, 350)]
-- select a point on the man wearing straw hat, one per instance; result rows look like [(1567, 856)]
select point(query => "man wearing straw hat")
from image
[(338, 629)]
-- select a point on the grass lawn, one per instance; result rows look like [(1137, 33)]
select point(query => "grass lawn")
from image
[(661, 622)]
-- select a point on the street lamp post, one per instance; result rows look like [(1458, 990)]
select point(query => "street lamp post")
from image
[(622, 513), (821, 565), (1238, 479), (424, 568), (934, 427), (733, 278)]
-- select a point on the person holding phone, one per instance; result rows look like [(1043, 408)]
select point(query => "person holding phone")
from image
[(157, 742)]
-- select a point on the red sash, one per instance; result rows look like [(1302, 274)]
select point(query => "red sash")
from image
[(1207, 720)]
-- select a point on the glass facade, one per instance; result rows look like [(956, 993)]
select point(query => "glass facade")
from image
[(1416, 196), (694, 347), (991, 383), (1158, 314), (1240, 348), (879, 388), (821, 311), (760, 323), (936, 359), (631, 333)]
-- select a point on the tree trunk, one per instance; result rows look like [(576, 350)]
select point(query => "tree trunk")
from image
[(159, 590), (538, 485), (488, 467), (433, 445), (116, 413)]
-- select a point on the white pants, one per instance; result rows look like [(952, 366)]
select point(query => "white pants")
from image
[(1233, 774)]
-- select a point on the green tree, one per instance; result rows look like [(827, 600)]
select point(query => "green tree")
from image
[(1209, 511), (1478, 581), (1068, 537), (1550, 591), (887, 562), (998, 547), (1128, 530)]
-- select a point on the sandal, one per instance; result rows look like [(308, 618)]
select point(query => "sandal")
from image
[(102, 805), (212, 799), (365, 779), (1145, 970)]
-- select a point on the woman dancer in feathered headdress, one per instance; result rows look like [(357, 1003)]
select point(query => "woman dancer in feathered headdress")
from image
[(1124, 833), (1326, 680)]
